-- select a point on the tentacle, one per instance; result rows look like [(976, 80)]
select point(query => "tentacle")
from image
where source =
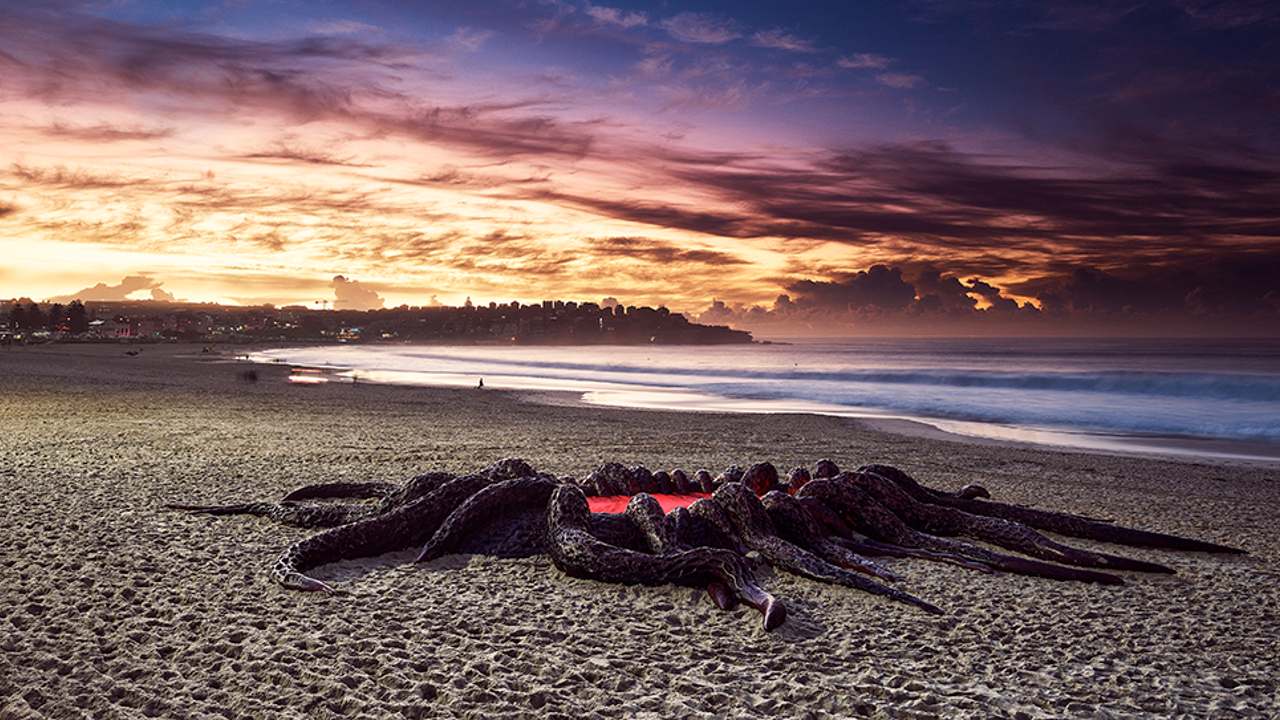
[(660, 533), (682, 482), (1062, 523), (942, 520), (796, 479), (354, 491), (610, 479), (972, 491), (641, 481), (873, 519), (789, 516), (752, 523), (646, 514), (303, 516), (417, 487), (576, 552), (688, 532), (841, 533), (500, 499), (715, 523), (760, 478), (705, 482), (875, 548), (397, 529)]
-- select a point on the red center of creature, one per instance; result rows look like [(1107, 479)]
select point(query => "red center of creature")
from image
[(618, 503)]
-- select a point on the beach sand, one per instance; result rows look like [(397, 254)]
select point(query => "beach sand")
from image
[(112, 607)]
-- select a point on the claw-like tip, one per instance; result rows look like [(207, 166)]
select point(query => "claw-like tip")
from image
[(931, 608), (722, 596), (775, 613)]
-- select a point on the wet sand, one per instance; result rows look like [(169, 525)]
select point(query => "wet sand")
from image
[(112, 607)]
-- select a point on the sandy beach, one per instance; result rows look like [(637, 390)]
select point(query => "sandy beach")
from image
[(111, 607)]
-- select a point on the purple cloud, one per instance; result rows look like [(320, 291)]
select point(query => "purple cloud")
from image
[(701, 28)]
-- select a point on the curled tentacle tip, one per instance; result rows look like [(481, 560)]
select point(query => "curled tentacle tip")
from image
[(307, 584), (775, 613), (721, 596)]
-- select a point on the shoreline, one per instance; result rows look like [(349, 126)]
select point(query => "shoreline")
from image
[(113, 607), (1166, 447)]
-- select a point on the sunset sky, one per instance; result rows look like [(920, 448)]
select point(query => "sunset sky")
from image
[(898, 167)]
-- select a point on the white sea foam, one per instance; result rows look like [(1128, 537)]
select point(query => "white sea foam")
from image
[(1060, 389)]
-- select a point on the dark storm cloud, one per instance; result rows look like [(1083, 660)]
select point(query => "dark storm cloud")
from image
[(69, 57), (287, 154), (658, 251), (1230, 13), (940, 199), (103, 132), (877, 287), (103, 292), (1218, 294), (929, 196), (454, 177), (352, 295), (70, 178), (1199, 284)]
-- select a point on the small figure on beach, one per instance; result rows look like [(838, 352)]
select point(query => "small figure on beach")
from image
[(481, 385)]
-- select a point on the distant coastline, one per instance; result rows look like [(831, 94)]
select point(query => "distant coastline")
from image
[(551, 322)]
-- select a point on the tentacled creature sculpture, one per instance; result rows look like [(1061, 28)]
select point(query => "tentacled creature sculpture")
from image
[(823, 524)]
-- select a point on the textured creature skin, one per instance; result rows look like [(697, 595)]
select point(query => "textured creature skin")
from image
[(947, 521), (580, 554), (288, 513), (750, 521), (821, 525), (341, 490), (1057, 522), (871, 518), (796, 525)]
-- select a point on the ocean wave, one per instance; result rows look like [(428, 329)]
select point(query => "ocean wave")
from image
[(1104, 414), (1219, 386), (1114, 395)]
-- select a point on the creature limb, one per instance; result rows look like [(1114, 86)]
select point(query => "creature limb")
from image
[(354, 491), (751, 522), (1062, 523), (871, 518), (688, 532), (646, 514), (942, 520), (789, 516), (842, 533), (875, 548), (494, 501), (397, 529), (303, 516), (576, 552)]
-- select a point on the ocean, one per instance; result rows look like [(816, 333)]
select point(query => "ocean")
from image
[(1198, 397)]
